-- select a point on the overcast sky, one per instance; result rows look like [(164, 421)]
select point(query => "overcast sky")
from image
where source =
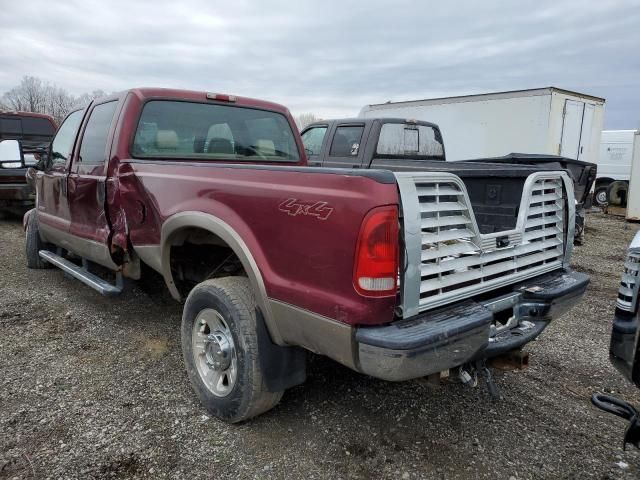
[(329, 57)]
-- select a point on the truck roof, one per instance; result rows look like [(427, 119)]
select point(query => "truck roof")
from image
[(146, 93), (372, 120), (492, 96), (28, 114)]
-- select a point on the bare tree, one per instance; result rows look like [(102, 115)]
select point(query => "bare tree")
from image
[(34, 95), (59, 103), (305, 119), (29, 96), (86, 98)]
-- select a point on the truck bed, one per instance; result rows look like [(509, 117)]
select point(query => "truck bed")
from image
[(495, 191)]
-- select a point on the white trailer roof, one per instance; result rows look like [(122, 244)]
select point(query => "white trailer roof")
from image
[(492, 96)]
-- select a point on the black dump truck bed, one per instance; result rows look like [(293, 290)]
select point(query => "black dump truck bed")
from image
[(494, 184)]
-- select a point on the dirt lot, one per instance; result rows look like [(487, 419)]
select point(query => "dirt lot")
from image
[(94, 388)]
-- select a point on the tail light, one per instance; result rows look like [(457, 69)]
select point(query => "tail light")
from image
[(376, 263)]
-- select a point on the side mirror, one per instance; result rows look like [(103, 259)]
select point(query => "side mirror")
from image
[(11, 154)]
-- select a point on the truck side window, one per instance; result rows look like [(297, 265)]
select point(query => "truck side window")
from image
[(94, 140), (312, 140), (346, 141), (63, 141)]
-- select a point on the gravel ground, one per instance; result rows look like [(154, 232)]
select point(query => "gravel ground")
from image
[(92, 387)]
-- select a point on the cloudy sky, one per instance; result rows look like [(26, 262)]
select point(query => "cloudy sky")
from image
[(330, 57)]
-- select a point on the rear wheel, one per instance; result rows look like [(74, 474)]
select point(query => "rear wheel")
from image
[(220, 348), (617, 193), (34, 244)]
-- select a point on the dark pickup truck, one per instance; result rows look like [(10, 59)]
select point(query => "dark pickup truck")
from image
[(408, 145), (388, 273), (624, 350), (35, 131)]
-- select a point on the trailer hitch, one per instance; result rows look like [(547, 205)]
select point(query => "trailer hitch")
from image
[(481, 366), (624, 410), (469, 374)]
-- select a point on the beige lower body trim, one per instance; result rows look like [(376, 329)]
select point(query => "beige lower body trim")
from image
[(89, 249), (151, 255), (315, 332)]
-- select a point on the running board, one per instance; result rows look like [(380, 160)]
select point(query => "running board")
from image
[(82, 274)]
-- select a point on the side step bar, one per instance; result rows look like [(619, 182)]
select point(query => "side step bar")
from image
[(82, 274)]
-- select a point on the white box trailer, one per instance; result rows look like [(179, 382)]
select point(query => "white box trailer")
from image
[(633, 203), (548, 121), (617, 150)]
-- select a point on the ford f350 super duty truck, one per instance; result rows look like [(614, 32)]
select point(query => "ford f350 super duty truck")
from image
[(387, 273)]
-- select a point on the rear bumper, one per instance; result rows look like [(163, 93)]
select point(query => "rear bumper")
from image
[(623, 351), (454, 335)]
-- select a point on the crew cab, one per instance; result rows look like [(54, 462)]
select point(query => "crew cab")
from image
[(391, 274), (410, 145), (34, 131)]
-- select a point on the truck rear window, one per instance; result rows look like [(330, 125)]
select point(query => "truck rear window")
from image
[(177, 129), (27, 127), (401, 140)]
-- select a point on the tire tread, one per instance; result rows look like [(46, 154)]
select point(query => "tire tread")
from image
[(34, 244), (237, 291)]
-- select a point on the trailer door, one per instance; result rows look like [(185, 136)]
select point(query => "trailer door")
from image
[(585, 135), (571, 128)]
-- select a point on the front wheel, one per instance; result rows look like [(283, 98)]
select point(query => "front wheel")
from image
[(220, 348), (600, 196), (34, 244)]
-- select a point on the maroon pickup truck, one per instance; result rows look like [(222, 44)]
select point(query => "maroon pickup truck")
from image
[(385, 272)]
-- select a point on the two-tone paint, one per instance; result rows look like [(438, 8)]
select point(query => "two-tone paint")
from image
[(293, 227)]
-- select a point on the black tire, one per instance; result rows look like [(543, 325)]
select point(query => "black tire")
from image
[(233, 299), (600, 196), (34, 244), (617, 193)]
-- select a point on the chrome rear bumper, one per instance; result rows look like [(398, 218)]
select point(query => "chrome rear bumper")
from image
[(454, 335)]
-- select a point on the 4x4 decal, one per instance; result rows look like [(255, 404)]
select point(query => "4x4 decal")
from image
[(294, 207)]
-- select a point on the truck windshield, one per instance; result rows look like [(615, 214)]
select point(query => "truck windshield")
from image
[(401, 140), (177, 129)]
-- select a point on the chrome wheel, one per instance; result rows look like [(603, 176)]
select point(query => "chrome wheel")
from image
[(601, 196), (214, 352)]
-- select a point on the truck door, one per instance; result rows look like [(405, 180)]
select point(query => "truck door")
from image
[(347, 146), (52, 202), (87, 185), (313, 139), (571, 129)]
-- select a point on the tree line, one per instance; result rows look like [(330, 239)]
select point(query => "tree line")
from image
[(35, 95)]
